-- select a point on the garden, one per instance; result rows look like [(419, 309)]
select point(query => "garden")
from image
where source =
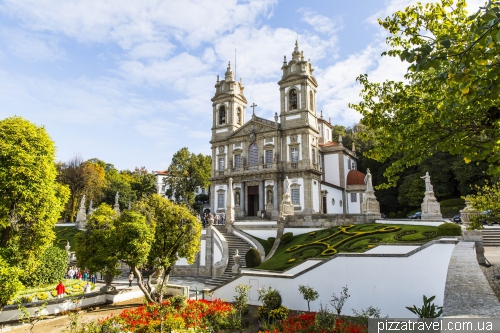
[(73, 288), (325, 243), (65, 235)]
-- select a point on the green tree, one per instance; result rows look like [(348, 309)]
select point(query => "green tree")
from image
[(309, 295), (96, 248), (51, 268), (120, 182), (449, 101), (82, 178), (186, 173), (30, 197), (143, 183)]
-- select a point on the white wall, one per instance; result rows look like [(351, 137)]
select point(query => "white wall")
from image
[(262, 234), (354, 207), (388, 283), (336, 194), (332, 169), (315, 195)]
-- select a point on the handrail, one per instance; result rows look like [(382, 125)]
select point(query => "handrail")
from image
[(220, 266)]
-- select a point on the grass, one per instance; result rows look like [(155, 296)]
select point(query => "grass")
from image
[(65, 234), (357, 238)]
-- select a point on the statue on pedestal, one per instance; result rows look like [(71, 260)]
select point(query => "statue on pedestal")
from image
[(370, 205), (286, 204), (431, 210)]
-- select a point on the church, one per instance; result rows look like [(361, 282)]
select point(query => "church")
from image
[(259, 154)]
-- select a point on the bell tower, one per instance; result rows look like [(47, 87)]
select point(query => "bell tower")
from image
[(229, 105), (298, 92)]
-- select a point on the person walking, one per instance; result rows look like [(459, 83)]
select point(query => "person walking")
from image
[(60, 290), (130, 279), (85, 275)]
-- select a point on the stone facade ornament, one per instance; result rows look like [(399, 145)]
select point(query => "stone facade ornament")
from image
[(293, 138), (221, 149), (467, 213), (370, 205), (431, 210)]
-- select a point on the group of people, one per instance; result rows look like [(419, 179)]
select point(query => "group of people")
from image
[(76, 273), (218, 218)]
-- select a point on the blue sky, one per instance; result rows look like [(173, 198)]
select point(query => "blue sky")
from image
[(130, 82)]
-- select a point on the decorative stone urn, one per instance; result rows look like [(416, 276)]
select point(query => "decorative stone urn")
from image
[(467, 213)]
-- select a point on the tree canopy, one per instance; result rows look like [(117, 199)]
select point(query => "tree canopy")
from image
[(186, 173), (451, 97), (155, 233), (30, 198)]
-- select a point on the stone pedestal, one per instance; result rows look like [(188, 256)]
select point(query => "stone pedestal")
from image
[(431, 210), (286, 206), (370, 205), (476, 236), (81, 218), (467, 214)]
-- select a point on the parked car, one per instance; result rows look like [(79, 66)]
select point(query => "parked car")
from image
[(382, 215), (457, 218), (416, 216)]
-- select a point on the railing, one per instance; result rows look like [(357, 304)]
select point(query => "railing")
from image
[(294, 165), (267, 166), (221, 173), (251, 167)]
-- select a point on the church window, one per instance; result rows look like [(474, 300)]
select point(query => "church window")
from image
[(238, 116), (293, 99), (237, 161), (296, 196), (349, 163), (221, 164), (311, 101), (220, 200), (253, 154), (269, 156), (314, 156), (295, 155), (354, 197), (222, 115)]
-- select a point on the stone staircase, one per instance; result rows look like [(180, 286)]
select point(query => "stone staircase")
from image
[(233, 242), (491, 237)]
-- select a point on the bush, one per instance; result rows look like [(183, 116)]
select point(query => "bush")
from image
[(449, 229), (286, 238), (253, 258), (280, 313), (270, 241), (52, 267)]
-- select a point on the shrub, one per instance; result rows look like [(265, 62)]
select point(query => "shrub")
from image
[(280, 313), (449, 229), (271, 298), (51, 269), (270, 241), (253, 258), (286, 238)]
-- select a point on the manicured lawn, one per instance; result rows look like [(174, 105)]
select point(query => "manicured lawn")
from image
[(64, 234), (356, 238)]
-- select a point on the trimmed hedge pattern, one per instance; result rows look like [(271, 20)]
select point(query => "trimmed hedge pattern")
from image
[(449, 229)]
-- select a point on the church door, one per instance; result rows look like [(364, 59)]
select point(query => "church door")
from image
[(253, 200), (324, 205)]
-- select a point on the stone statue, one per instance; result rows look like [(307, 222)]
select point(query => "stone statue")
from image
[(427, 179), (117, 196), (237, 198), (288, 183), (82, 202), (368, 181), (91, 209), (269, 196)]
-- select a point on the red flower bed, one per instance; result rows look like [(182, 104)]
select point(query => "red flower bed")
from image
[(304, 323), (148, 318)]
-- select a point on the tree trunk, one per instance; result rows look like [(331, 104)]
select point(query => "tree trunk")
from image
[(140, 280)]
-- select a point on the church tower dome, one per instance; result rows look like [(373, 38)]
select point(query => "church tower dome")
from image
[(298, 91), (229, 105)]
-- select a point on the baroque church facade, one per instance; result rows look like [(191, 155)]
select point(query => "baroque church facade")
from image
[(259, 154)]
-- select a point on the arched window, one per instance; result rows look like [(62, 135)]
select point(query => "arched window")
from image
[(311, 101), (238, 116), (293, 99), (253, 154), (222, 115)]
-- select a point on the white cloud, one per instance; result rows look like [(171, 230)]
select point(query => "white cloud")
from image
[(151, 50), (156, 128), (127, 22), (320, 22), (31, 47)]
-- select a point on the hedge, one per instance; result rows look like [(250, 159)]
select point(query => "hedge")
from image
[(286, 238), (449, 229), (253, 258)]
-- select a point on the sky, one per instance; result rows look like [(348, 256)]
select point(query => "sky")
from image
[(130, 82)]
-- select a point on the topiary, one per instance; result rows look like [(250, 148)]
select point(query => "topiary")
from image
[(287, 237), (270, 241), (449, 229), (253, 258)]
